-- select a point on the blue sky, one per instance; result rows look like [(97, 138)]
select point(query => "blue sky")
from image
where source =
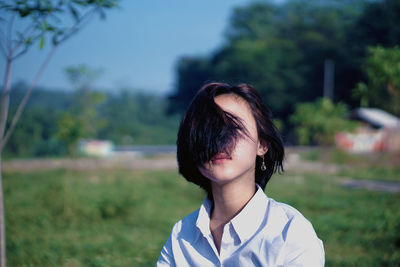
[(137, 46)]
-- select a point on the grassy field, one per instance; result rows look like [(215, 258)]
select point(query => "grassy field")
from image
[(123, 217)]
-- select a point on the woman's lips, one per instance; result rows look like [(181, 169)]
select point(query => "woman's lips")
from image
[(220, 158)]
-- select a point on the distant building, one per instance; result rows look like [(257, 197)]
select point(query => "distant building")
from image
[(378, 131), (95, 148), (376, 118)]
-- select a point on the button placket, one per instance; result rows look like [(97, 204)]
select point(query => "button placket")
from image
[(226, 241)]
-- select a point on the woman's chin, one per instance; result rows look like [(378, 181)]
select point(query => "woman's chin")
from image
[(221, 175)]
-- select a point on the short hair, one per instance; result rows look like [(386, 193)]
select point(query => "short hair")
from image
[(206, 130)]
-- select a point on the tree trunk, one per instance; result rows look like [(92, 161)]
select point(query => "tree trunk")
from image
[(2, 220), (5, 101)]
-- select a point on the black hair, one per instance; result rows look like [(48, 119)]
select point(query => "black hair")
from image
[(206, 130)]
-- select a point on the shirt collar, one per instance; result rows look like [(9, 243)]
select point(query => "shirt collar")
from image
[(247, 222), (203, 219)]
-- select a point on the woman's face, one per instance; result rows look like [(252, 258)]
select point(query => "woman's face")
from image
[(240, 163)]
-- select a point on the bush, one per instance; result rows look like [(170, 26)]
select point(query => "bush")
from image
[(318, 122)]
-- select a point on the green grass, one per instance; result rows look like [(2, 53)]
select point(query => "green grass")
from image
[(86, 218), (372, 166), (123, 218), (358, 227)]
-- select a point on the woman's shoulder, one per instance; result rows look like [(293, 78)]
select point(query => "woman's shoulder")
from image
[(186, 225), (301, 243), (289, 221), (285, 211)]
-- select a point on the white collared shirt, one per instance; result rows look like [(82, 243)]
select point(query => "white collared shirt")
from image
[(264, 233)]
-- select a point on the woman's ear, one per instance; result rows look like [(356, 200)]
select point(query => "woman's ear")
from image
[(262, 148)]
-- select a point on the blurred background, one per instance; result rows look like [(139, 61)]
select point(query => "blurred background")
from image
[(93, 93)]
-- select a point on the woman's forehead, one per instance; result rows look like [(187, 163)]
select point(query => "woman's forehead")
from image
[(235, 105)]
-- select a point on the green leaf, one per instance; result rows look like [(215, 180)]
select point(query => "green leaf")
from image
[(24, 12), (28, 40), (41, 45), (51, 28)]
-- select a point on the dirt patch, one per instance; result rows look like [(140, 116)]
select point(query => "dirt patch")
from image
[(292, 163), (124, 162)]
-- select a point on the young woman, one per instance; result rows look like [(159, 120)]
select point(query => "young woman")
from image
[(228, 145)]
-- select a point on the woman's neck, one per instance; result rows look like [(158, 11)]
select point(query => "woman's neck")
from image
[(229, 199)]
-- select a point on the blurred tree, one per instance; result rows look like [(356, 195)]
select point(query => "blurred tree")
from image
[(51, 125), (361, 92), (36, 134), (317, 122), (70, 130), (280, 49), (299, 37), (42, 19), (192, 74), (376, 25), (138, 118), (268, 65), (83, 112), (82, 76), (254, 22), (382, 68)]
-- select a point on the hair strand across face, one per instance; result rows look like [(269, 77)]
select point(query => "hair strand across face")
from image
[(207, 130)]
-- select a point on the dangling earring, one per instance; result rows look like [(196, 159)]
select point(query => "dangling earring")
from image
[(263, 167)]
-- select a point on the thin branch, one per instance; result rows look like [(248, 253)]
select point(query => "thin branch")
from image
[(3, 50), (5, 99), (29, 31), (84, 20), (3, 34), (26, 47), (3, 41), (21, 53), (10, 26), (25, 36), (30, 28), (75, 28), (22, 104)]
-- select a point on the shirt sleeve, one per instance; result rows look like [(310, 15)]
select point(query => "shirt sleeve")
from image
[(303, 247), (166, 257)]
